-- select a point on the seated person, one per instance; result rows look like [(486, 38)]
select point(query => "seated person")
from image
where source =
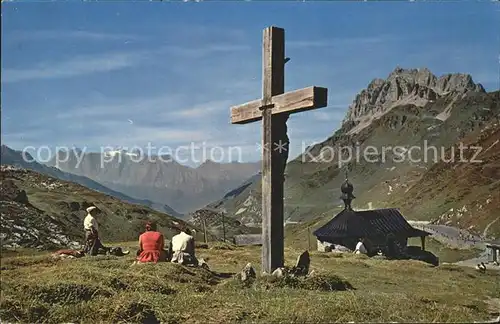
[(151, 245), (182, 248), (360, 247)]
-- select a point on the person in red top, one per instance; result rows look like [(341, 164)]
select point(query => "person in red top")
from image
[(151, 244)]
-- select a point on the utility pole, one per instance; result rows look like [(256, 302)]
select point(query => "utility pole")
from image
[(223, 224), (204, 228), (309, 237)]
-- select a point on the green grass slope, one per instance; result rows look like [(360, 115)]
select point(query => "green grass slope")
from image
[(461, 194), (44, 212), (108, 289)]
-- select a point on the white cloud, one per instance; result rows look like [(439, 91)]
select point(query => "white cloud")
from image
[(79, 65), (201, 51), (43, 35), (123, 108), (144, 134), (89, 64), (168, 107), (334, 42), (201, 110)]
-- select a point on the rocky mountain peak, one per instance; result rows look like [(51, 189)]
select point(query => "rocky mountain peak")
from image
[(405, 86)]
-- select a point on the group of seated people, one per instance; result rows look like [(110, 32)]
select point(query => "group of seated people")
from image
[(181, 248)]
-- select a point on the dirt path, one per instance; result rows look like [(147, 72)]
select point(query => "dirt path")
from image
[(451, 236), (488, 226)]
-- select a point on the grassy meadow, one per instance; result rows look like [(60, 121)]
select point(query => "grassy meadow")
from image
[(37, 288)]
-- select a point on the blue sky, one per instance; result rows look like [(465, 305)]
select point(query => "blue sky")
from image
[(125, 74)]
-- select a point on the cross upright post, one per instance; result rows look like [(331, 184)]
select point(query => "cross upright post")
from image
[(274, 109), (273, 161)]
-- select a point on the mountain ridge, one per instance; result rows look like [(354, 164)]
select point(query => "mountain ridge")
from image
[(439, 117)]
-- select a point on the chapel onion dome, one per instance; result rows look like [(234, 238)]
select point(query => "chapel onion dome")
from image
[(347, 189)]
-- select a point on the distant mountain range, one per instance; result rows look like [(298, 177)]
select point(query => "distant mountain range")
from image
[(15, 158), (159, 180), (410, 108)]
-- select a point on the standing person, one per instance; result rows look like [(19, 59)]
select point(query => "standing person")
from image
[(92, 241), (151, 244), (182, 247)]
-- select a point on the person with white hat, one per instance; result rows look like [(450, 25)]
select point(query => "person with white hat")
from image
[(92, 241)]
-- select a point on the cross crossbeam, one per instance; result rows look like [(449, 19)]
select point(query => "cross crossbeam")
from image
[(274, 109), (291, 102)]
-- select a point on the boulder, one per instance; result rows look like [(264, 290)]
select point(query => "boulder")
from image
[(248, 273), (203, 264), (301, 267), (280, 272)]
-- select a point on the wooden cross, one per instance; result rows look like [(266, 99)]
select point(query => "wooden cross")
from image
[(274, 109)]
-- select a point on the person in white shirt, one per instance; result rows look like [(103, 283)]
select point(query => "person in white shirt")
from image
[(92, 241), (360, 247), (182, 248)]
